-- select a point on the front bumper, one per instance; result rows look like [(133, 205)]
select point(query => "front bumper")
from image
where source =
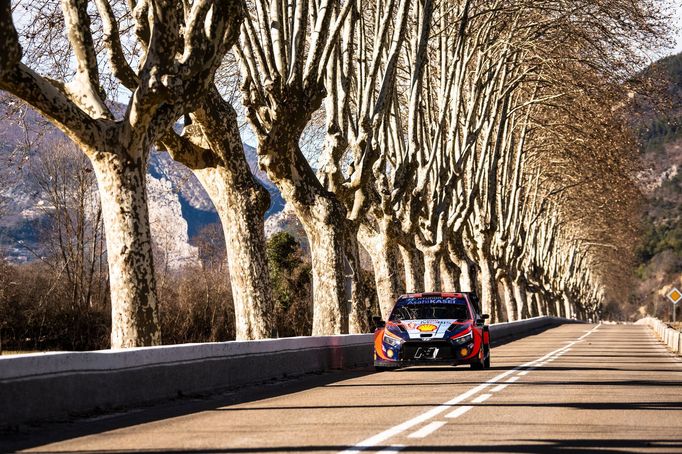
[(414, 353)]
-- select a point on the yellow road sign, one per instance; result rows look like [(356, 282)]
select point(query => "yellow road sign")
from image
[(674, 295)]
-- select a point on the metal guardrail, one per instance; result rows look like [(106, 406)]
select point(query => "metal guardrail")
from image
[(669, 336), (58, 385)]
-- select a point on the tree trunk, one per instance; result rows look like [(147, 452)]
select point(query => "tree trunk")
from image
[(488, 295), (385, 262), (466, 268), (121, 179), (508, 296), (414, 269), (215, 153), (466, 273), (358, 317), (568, 307), (241, 206), (431, 272), (535, 309), (322, 215), (521, 298), (326, 246), (559, 304), (449, 275)]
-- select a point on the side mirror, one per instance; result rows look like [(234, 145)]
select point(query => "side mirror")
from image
[(485, 316), (482, 318), (378, 322)]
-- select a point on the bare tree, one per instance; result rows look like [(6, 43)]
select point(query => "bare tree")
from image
[(176, 69), (213, 149), (283, 53)]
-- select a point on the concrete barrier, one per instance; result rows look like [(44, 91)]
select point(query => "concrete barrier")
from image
[(672, 338), (58, 385), (505, 332)]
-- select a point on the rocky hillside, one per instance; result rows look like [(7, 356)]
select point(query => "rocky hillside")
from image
[(26, 140), (659, 120)]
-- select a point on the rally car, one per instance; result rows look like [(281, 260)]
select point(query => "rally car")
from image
[(433, 328)]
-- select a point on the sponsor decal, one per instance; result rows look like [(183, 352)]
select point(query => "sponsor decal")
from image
[(427, 328)]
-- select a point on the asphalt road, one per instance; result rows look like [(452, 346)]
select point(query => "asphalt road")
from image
[(575, 388)]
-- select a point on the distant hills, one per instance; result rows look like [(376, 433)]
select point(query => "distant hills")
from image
[(26, 138), (658, 117)]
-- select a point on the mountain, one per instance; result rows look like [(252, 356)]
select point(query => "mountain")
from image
[(27, 141), (658, 118)]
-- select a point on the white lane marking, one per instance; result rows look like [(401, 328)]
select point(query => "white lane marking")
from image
[(499, 388), (427, 429), (459, 411), (391, 432), (525, 372), (482, 398), (393, 449)]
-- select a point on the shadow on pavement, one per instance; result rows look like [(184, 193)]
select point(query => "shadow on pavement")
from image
[(523, 446), (33, 435)]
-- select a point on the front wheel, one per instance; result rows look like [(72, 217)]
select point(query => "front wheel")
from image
[(483, 361)]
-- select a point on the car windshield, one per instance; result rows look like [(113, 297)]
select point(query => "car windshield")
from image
[(430, 308)]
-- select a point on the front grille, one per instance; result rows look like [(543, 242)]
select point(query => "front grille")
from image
[(424, 351)]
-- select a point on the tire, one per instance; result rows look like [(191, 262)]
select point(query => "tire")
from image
[(479, 364), (384, 369)]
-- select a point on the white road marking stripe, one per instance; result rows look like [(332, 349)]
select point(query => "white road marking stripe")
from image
[(499, 388), (427, 429), (459, 411), (525, 372), (482, 398), (388, 433), (393, 449)]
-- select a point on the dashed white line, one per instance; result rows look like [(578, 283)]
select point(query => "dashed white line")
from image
[(459, 411), (482, 398), (427, 429), (499, 388)]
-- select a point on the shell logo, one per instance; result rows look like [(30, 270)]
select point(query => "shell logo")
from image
[(427, 328)]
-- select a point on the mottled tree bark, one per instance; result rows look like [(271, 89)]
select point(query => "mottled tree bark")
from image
[(241, 207), (449, 275), (488, 296), (326, 245), (521, 298), (358, 316), (182, 50), (384, 255), (508, 298), (122, 188), (431, 271), (568, 306), (215, 153), (413, 263)]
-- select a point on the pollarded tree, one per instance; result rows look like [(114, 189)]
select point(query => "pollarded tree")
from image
[(175, 70), (211, 146), (283, 53)]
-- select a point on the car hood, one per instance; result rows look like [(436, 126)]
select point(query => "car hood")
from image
[(418, 329)]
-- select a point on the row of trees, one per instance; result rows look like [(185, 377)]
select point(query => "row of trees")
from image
[(469, 144)]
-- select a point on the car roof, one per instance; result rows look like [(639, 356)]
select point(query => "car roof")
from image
[(434, 294), (471, 297)]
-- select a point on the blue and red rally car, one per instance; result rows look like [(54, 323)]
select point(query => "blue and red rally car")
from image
[(433, 328)]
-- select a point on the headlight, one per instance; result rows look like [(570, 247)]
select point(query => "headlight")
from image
[(392, 341), (464, 339)]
